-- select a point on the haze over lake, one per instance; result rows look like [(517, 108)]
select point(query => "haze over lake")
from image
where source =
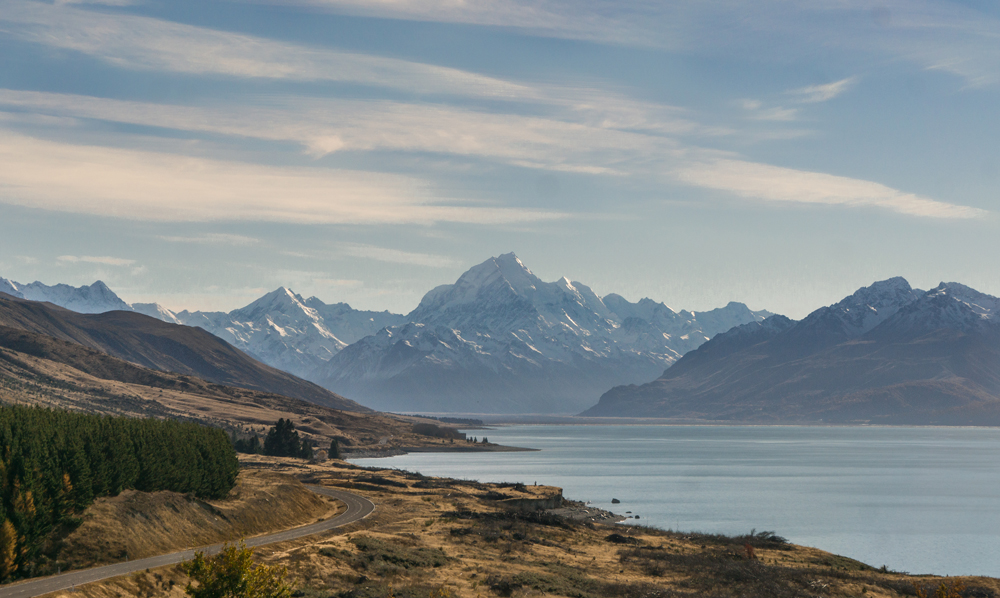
[(922, 500)]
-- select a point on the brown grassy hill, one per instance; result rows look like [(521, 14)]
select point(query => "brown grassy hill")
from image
[(140, 524), (162, 346), (40, 370)]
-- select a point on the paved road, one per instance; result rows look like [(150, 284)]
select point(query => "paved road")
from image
[(357, 508)]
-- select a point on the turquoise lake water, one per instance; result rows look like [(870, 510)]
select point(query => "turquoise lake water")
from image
[(921, 500)]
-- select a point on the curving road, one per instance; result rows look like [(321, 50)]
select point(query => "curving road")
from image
[(358, 508)]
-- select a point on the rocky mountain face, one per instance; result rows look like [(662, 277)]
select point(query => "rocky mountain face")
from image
[(886, 354), (291, 333), (500, 340)]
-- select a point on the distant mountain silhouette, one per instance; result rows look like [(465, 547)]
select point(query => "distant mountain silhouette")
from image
[(888, 354), (162, 346)]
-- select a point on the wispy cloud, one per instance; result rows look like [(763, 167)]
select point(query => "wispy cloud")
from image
[(90, 259), (395, 256), (823, 93), (569, 130), (40, 170), (212, 239), (773, 183), (145, 43), (602, 21), (757, 111), (953, 37), (327, 126), (156, 186)]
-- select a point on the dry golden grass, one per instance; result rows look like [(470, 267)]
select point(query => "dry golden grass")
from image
[(139, 524), (438, 537)]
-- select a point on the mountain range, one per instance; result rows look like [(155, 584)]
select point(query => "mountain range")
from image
[(886, 354), (291, 333), (499, 340)]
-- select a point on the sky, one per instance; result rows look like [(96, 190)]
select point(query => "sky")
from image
[(199, 153)]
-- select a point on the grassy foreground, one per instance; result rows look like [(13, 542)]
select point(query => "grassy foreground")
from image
[(436, 537)]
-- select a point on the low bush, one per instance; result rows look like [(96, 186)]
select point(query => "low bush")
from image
[(386, 558), (728, 569)]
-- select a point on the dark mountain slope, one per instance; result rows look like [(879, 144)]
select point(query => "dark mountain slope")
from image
[(161, 346), (934, 360), (36, 369)]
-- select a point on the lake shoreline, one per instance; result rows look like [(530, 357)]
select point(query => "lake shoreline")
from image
[(912, 498)]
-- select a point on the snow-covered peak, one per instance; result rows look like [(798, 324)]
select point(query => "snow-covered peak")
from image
[(886, 294), (981, 304), (93, 299), (948, 306), (861, 311), (499, 279), (281, 300)]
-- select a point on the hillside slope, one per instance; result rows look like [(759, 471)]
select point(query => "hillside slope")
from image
[(162, 346), (40, 370)]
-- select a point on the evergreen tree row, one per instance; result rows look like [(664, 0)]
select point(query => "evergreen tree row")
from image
[(53, 464)]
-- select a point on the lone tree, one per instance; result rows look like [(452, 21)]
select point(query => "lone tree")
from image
[(334, 452), (283, 441), (233, 574)]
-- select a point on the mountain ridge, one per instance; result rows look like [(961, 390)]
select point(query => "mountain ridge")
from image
[(162, 346), (499, 339), (898, 356)]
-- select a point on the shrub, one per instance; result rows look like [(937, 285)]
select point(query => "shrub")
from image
[(233, 574)]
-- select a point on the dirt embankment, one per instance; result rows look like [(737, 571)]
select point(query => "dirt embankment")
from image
[(138, 524)]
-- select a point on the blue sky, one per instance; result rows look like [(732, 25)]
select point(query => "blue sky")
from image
[(200, 153)]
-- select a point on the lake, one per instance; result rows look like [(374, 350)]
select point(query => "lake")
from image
[(921, 500)]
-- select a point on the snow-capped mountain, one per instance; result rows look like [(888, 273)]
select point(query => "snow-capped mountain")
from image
[(288, 332), (501, 340), (949, 305), (857, 313), (88, 299), (886, 354)]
